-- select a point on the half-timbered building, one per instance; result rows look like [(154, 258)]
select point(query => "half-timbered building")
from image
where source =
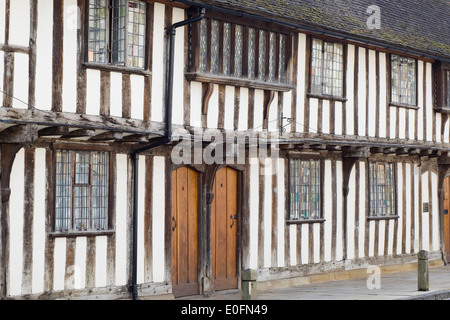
[(157, 148)]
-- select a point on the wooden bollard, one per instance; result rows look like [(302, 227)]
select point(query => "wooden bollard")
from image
[(248, 284), (422, 271)]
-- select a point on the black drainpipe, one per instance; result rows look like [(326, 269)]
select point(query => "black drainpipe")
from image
[(171, 32)]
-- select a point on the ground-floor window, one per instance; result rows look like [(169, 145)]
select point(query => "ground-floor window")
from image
[(81, 190), (304, 186), (382, 189)]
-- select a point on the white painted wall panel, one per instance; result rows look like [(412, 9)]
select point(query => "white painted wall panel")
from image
[(281, 212), (420, 93), (328, 195), (429, 102), (258, 110), (383, 95), (273, 114), (392, 121), (267, 212), (229, 108), (253, 211), (300, 104), (305, 244), (44, 55), (141, 225), (362, 207), (399, 206), (21, 77), (59, 266), (243, 109), (80, 263), (69, 97), (408, 207), (372, 115), (121, 220), (435, 212), (338, 118), (137, 97), (196, 104), (349, 110), (178, 75), (325, 116), (115, 108), (100, 261), (93, 92), (339, 207), (158, 63), (438, 126), (313, 110), (19, 24), (401, 123), (351, 241), (158, 209), (213, 109), (362, 92), (16, 215), (287, 109)]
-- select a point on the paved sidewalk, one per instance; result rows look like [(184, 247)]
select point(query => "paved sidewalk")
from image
[(393, 286)]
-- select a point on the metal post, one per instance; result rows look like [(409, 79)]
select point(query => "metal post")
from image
[(248, 284), (422, 271)]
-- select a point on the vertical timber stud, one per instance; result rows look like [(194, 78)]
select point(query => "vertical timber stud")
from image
[(8, 153)]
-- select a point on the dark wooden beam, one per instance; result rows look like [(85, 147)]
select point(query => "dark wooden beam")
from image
[(54, 131), (107, 136), (19, 134), (81, 133)]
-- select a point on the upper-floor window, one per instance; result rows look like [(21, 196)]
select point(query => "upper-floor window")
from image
[(327, 68), (403, 80), (382, 189), (81, 191), (304, 188), (117, 32), (442, 83), (239, 51)]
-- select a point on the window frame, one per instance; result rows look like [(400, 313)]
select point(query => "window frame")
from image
[(441, 74), (311, 94), (299, 220), (71, 231), (194, 72), (394, 208), (108, 65), (416, 79)]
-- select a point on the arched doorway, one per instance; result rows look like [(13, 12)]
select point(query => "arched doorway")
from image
[(224, 230)]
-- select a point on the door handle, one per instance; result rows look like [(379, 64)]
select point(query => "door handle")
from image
[(173, 229), (233, 219)]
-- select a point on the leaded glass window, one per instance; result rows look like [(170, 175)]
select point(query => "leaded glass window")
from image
[(239, 51), (304, 185), (117, 32), (382, 189), (81, 192), (327, 68), (403, 80)]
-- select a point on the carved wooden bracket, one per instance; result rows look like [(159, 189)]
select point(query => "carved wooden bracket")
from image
[(8, 154), (208, 89), (268, 99)]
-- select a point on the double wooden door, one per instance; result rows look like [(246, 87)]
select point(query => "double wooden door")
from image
[(185, 231)]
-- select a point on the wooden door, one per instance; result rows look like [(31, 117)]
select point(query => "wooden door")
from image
[(447, 217), (184, 230), (224, 226)]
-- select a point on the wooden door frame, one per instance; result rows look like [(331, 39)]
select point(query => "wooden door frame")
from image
[(443, 172), (206, 178)]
